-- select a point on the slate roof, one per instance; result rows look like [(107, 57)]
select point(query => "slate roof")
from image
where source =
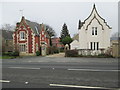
[(35, 26), (7, 34), (76, 37)]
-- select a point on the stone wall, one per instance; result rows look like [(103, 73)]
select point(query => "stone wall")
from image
[(90, 52)]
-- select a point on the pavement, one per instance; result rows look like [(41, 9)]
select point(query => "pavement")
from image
[(57, 55), (60, 72)]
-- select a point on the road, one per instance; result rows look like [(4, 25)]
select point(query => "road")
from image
[(46, 72)]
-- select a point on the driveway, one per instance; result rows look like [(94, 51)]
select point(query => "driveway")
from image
[(57, 55)]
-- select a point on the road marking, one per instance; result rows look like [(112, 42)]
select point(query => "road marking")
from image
[(60, 85), (23, 67), (4, 81), (93, 70)]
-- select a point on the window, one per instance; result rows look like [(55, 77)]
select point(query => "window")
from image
[(36, 29), (22, 48), (94, 45), (91, 45), (22, 35), (94, 30), (97, 45)]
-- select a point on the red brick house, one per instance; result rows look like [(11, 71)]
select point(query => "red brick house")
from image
[(29, 37), (56, 42)]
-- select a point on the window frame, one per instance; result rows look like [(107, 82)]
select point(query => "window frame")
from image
[(22, 47), (94, 31), (22, 35)]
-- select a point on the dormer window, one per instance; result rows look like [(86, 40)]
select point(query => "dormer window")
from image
[(22, 35), (36, 29)]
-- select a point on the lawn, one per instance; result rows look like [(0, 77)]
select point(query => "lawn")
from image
[(7, 57)]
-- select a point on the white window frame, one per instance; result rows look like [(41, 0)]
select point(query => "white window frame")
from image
[(94, 31), (22, 47), (21, 37), (94, 45)]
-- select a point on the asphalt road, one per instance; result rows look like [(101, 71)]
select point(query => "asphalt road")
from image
[(45, 72)]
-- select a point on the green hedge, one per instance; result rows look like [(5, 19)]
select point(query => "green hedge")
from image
[(71, 53), (10, 53)]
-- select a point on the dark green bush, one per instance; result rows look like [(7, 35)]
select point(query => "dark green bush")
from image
[(56, 51), (14, 54), (104, 55), (6, 53), (71, 53), (38, 53), (11, 53), (62, 49)]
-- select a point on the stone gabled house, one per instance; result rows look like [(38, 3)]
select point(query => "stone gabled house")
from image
[(94, 33)]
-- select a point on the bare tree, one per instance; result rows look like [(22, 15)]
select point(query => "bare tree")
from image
[(116, 34), (8, 27)]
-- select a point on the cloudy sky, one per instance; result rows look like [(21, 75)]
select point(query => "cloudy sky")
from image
[(56, 14)]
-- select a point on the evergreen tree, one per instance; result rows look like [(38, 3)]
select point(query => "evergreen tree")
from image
[(64, 32), (65, 36)]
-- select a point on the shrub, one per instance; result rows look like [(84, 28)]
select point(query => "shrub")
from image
[(62, 49), (56, 51), (38, 53), (6, 53), (14, 53), (104, 55), (71, 53)]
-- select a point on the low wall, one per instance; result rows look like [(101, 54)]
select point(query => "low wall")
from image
[(27, 54), (90, 52)]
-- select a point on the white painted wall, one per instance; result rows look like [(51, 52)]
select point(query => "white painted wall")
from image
[(103, 32), (74, 45)]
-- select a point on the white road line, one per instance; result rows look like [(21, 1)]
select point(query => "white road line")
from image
[(23, 67), (60, 85), (4, 81), (93, 70)]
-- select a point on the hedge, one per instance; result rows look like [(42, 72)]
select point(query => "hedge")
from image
[(71, 53)]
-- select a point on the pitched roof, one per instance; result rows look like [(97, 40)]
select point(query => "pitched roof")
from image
[(93, 15), (35, 26), (76, 37), (7, 34)]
